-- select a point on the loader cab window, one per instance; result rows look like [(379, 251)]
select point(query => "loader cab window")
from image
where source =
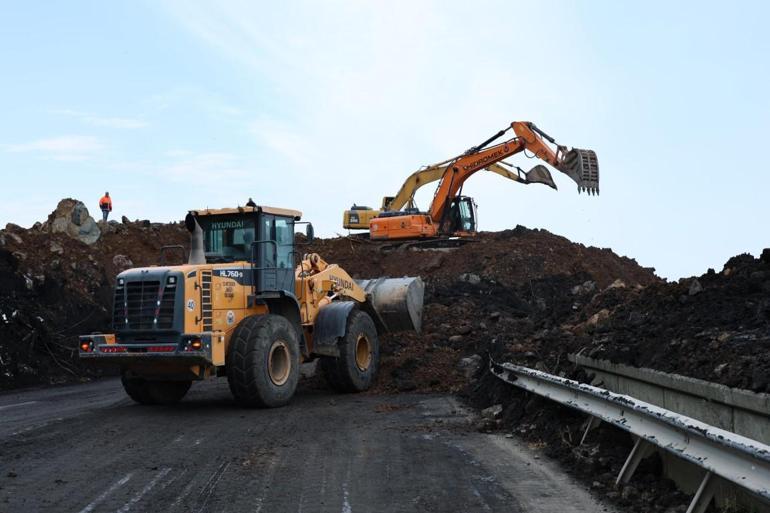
[(227, 239), (276, 253)]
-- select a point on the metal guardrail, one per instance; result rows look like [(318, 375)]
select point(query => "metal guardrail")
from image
[(722, 454), (736, 410)]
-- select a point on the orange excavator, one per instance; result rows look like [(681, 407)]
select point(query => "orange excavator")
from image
[(453, 215)]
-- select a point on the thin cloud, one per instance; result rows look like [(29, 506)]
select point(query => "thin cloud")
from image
[(66, 147), (284, 140), (104, 121), (205, 167)]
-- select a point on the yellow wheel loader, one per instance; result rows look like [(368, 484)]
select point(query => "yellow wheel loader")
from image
[(247, 307)]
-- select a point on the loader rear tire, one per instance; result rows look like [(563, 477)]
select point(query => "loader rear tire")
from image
[(149, 391), (263, 361), (356, 368)]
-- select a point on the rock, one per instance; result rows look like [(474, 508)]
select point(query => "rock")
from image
[(308, 370), (586, 288), (617, 284), (469, 365), (695, 287), (55, 247), (482, 326), (759, 380), (719, 368), (492, 412), (465, 329), (598, 317), (28, 282), (636, 318), (473, 279), (435, 263), (765, 256), (494, 316), (121, 263), (15, 237), (71, 217), (124, 220), (629, 492), (455, 339)]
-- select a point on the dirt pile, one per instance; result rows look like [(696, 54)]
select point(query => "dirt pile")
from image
[(483, 297), (521, 295), (56, 282), (532, 297)]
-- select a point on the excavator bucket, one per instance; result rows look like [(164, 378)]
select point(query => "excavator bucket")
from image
[(583, 167), (540, 174), (396, 302)]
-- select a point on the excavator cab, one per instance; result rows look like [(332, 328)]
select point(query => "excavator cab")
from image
[(462, 215)]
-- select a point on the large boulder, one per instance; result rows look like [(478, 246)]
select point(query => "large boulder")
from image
[(71, 217)]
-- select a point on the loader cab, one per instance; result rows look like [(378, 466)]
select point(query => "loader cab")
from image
[(462, 215), (257, 240)]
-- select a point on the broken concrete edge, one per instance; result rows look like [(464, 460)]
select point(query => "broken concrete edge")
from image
[(733, 397)]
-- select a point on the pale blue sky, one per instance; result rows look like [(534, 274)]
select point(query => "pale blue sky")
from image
[(316, 105)]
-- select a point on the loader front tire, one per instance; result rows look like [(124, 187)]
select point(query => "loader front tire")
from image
[(263, 361), (150, 391), (356, 368)]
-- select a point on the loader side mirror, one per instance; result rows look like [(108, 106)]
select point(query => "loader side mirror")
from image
[(309, 232)]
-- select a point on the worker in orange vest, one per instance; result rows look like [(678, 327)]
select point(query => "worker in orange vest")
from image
[(106, 205)]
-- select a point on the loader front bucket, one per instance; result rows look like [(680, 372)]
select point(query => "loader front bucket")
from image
[(583, 167), (396, 302)]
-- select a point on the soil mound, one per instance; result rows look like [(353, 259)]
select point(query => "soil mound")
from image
[(522, 295), (56, 282)]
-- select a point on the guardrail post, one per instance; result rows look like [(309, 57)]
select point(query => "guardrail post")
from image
[(641, 450), (591, 423), (703, 496)]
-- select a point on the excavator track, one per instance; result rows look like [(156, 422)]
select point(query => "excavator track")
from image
[(436, 244)]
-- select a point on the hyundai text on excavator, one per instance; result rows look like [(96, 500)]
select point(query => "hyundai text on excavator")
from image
[(241, 308), (453, 215)]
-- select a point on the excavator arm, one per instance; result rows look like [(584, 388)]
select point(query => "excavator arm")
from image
[(580, 165)]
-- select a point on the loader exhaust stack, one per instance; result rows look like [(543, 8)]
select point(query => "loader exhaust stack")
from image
[(197, 252)]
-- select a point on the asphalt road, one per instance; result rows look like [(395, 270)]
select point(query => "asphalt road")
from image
[(87, 448)]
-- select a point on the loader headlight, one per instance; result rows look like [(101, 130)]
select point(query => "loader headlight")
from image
[(171, 280), (86, 346)]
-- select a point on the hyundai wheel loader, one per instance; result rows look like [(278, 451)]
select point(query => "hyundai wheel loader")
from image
[(245, 306)]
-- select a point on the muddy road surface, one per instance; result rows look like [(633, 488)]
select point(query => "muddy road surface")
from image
[(87, 448)]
